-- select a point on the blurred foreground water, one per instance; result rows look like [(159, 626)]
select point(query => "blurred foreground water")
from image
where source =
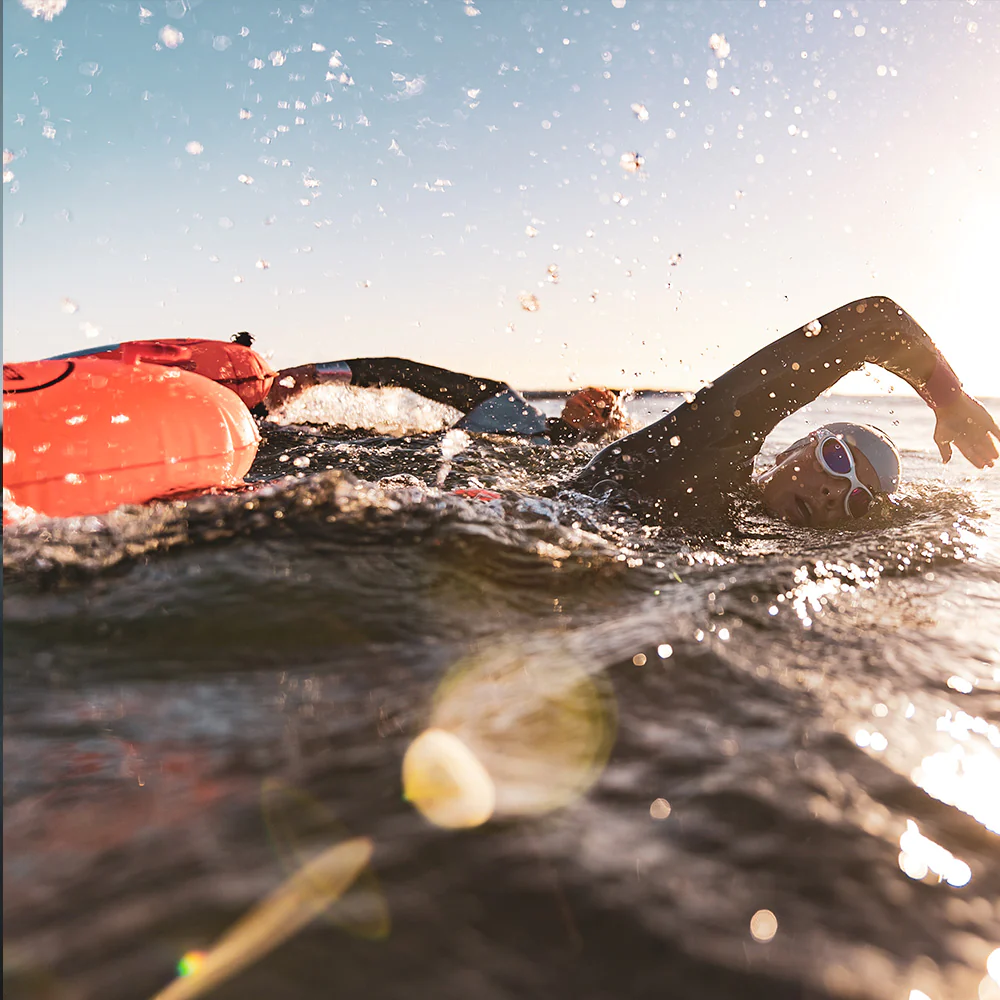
[(758, 761)]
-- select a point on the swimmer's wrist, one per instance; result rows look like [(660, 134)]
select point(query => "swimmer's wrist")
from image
[(942, 388)]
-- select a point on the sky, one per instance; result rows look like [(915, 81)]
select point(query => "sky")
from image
[(443, 179)]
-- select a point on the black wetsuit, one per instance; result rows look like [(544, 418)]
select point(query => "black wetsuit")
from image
[(489, 406), (697, 458)]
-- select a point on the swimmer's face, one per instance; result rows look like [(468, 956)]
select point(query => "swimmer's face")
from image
[(798, 489)]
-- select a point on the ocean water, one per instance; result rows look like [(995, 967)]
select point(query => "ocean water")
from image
[(755, 760)]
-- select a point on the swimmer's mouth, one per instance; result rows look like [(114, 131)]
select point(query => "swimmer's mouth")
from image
[(802, 511)]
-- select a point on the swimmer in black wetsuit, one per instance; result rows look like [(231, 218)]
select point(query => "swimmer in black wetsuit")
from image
[(697, 458), (490, 407)]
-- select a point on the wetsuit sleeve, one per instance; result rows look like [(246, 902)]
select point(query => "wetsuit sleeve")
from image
[(706, 447), (463, 392)]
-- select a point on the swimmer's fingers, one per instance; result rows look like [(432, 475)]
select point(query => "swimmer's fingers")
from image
[(967, 424)]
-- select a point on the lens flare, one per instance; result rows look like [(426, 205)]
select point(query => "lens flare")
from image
[(278, 917), (444, 780), (300, 827), (511, 734)]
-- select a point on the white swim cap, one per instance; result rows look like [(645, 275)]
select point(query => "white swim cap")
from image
[(876, 446)]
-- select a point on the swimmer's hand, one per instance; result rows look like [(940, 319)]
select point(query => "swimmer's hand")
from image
[(966, 424), (590, 409)]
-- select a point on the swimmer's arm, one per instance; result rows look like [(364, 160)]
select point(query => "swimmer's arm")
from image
[(463, 392), (796, 369)]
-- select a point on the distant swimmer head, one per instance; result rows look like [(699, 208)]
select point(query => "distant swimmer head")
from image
[(833, 475), (243, 338)]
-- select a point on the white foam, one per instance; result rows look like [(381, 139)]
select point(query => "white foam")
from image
[(395, 412)]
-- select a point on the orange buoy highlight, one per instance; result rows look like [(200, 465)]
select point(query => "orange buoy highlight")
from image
[(83, 435), (236, 367)]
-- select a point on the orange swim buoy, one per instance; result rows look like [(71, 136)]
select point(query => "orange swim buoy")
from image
[(237, 367), (83, 435)]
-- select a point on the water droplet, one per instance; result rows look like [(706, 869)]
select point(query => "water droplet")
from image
[(712, 79), (301, 462), (262, 265), (529, 302), (277, 58), (813, 328), (618, 4), (171, 37), (859, 31), (639, 659), (245, 179), (69, 306), (675, 259), (763, 926), (640, 112), (660, 809), (664, 650), (225, 223), (719, 45), (675, 440), (221, 42), (631, 162), (90, 69), (45, 9), (552, 274)]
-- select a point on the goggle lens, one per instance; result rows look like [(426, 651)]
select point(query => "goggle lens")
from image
[(837, 457), (858, 502)]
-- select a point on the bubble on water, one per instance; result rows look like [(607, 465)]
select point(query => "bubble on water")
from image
[(194, 148), (552, 274), (262, 265), (712, 79), (719, 45), (171, 37), (69, 306), (45, 9), (631, 162), (277, 58), (813, 328), (529, 302), (763, 926), (245, 179), (640, 112), (618, 4), (221, 42), (89, 68)]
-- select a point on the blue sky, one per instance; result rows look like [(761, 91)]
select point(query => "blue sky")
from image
[(235, 179)]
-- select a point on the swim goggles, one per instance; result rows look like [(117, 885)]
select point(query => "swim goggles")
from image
[(835, 457)]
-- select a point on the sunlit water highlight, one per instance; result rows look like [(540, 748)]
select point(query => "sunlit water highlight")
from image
[(738, 759)]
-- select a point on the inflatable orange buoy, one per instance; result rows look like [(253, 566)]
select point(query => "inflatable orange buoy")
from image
[(83, 435), (477, 494), (237, 367)]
